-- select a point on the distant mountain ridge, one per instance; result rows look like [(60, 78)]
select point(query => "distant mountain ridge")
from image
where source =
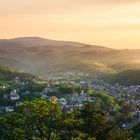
[(37, 41), (38, 55)]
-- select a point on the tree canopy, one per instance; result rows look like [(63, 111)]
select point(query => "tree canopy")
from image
[(41, 119)]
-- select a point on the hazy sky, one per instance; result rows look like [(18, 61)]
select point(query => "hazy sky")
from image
[(111, 23)]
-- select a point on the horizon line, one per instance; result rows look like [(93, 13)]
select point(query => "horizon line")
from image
[(59, 40)]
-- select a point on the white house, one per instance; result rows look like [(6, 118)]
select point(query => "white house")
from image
[(62, 101), (9, 109), (14, 95)]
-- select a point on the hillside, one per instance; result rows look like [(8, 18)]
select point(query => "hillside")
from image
[(127, 77), (7, 74), (38, 55), (11, 80)]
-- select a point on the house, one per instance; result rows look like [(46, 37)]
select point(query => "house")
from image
[(62, 102), (82, 93), (14, 95), (9, 109)]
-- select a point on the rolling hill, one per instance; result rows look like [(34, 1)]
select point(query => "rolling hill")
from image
[(126, 77), (38, 55)]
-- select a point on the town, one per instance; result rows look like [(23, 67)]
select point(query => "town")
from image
[(68, 98)]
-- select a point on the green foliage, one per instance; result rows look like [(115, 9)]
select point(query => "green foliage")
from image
[(65, 89), (36, 119), (127, 77), (12, 126), (118, 134), (7, 74), (10, 80), (136, 131), (42, 119), (103, 100)]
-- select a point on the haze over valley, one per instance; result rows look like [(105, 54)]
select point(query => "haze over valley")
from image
[(39, 55)]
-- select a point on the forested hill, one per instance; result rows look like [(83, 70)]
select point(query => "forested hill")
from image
[(24, 84), (127, 77), (7, 74)]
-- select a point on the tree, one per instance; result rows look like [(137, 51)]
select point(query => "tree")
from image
[(95, 122), (119, 134), (41, 119), (12, 127)]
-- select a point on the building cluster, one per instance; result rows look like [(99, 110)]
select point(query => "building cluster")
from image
[(129, 94)]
